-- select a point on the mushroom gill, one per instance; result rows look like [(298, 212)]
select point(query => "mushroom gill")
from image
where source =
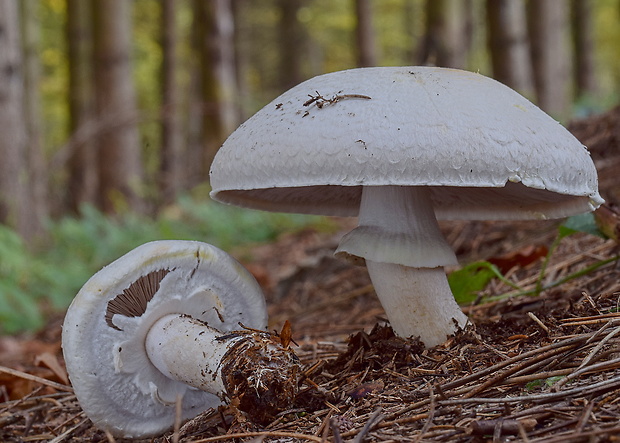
[(133, 300)]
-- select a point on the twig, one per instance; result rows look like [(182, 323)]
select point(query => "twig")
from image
[(585, 416), (503, 375), (43, 381), (538, 321), (178, 412), (583, 366), (555, 283), (608, 385), (609, 364), (261, 434), (374, 419), (573, 341), (431, 416), (335, 430), (68, 432)]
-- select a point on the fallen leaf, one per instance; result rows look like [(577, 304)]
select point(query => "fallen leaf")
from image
[(51, 361), (286, 335), (520, 258), (608, 222)]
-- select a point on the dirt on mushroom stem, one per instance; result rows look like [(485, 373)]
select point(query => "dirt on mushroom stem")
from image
[(261, 377)]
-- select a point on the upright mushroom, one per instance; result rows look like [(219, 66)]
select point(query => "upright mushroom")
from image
[(402, 147), (152, 329)]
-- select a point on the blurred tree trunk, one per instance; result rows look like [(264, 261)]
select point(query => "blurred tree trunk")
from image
[(170, 172), (119, 159), (291, 44), (218, 79), (36, 164), (583, 42), (242, 63), (508, 44), (82, 182), (445, 40), (548, 22), (14, 202), (365, 34)]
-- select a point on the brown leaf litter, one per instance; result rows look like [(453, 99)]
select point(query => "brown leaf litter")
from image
[(530, 369)]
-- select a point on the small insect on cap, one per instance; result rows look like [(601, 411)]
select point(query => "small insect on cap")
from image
[(483, 150), (106, 326)]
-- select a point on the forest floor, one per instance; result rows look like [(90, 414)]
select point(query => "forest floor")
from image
[(543, 368)]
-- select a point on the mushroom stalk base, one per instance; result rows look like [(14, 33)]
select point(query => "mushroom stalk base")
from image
[(248, 365), (418, 301)]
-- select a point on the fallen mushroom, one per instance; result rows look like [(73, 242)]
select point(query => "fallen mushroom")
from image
[(161, 326), (402, 147)]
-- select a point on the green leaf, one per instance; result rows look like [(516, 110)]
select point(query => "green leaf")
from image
[(580, 223), (471, 279), (550, 381)]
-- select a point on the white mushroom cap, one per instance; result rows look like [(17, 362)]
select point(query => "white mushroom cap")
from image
[(484, 151), (106, 326)]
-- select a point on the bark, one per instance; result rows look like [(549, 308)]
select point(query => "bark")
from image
[(508, 44), (14, 204), (548, 22), (242, 34), (583, 43), (35, 158), (218, 79), (170, 173), (119, 158), (445, 38), (365, 34), (291, 44), (82, 181)]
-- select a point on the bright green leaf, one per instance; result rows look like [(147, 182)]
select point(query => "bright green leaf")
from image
[(471, 279)]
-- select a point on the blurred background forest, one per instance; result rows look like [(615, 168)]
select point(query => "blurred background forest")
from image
[(112, 110)]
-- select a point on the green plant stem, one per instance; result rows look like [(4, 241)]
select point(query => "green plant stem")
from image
[(539, 286), (537, 290), (503, 279)]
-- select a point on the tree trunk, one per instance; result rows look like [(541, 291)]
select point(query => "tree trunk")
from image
[(82, 181), (291, 44), (170, 172), (35, 158), (583, 42), (119, 159), (549, 43), (218, 77), (445, 40), (14, 198), (365, 34), (508, 44)]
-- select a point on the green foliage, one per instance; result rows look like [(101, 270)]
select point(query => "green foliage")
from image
[(467, 282), (16, 309), (32, 284), (580, 223), (548, 382)]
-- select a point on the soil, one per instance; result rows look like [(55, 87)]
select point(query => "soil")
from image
[(542, 368)]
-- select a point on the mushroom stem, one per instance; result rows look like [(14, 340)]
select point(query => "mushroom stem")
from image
[(246, 364), (405, 252), (418, 301), (187, 350)]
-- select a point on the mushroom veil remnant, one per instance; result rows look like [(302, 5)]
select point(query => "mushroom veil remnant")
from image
[(402, 147), (161, 325)]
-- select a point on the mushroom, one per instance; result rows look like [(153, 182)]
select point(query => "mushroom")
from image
[(402, 147), (152, 330)]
